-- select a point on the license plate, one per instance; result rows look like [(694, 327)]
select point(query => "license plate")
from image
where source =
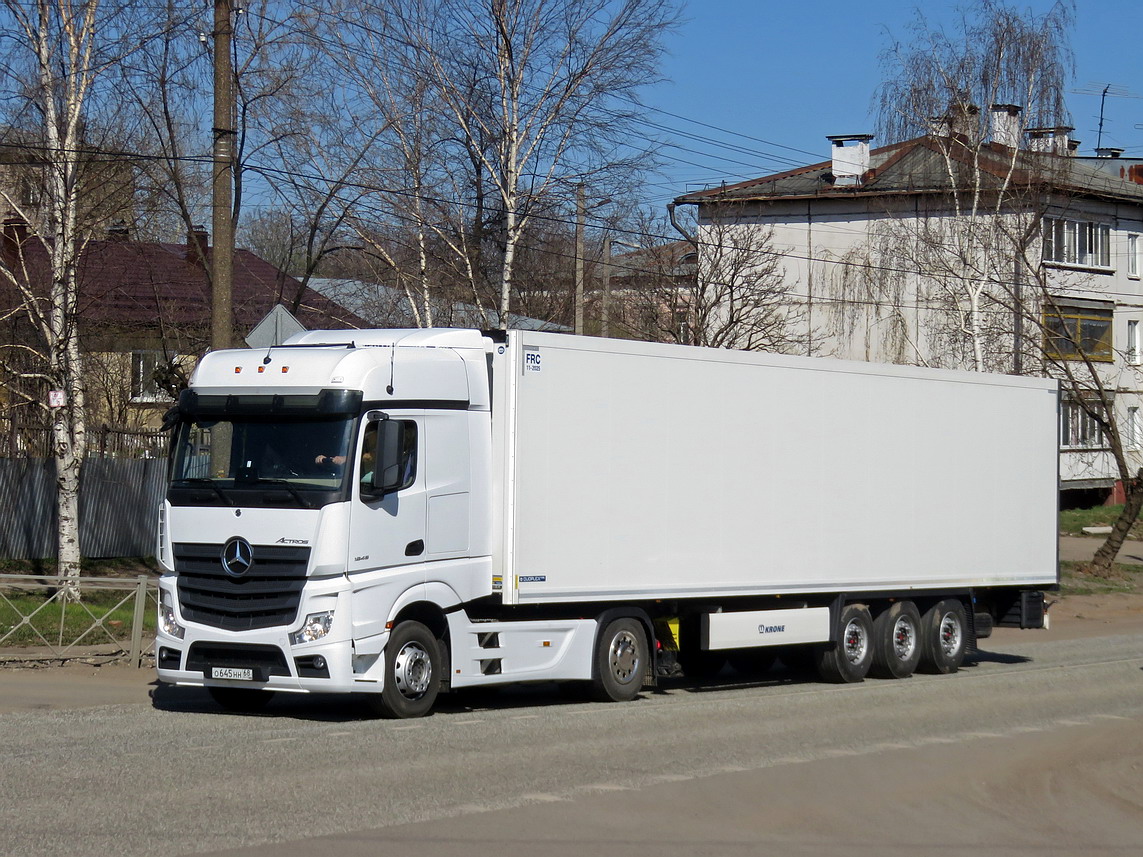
[(233, 673)]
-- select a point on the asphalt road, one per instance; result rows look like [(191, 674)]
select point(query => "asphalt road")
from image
[(1037, 748)]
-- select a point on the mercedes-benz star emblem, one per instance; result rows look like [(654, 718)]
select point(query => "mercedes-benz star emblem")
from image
[(237, 556)]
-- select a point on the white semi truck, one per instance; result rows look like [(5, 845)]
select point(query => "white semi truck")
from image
[(396, 513)]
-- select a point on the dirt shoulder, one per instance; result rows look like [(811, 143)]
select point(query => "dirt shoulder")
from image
[(1094, 615)]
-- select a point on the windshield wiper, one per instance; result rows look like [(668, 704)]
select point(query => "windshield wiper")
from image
[(205, 480), (285, 483)]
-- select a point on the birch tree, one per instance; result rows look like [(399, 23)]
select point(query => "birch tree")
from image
[(989, 96), (974, 92), (539, 90), (59, 51)]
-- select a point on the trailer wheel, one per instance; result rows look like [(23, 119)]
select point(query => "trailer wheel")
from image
[(412, 673), (944, 637), (621, 660), (896, 641), (242, 699), (850, 658)]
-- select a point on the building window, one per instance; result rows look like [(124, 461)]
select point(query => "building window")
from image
[(1131, 441), (1133, 256), (1078, 429), (1133, 342), (1074, 330), (1077, 242), (144, 373)]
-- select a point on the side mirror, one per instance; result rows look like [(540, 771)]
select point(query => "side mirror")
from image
[(387, 475)]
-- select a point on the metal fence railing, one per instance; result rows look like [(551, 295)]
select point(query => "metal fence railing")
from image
[(34, 440), (113, 618)]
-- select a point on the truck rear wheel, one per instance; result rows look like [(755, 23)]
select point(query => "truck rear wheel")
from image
[(896, 641), (850, 658), (412, 673), (944, 637), (621, 659)]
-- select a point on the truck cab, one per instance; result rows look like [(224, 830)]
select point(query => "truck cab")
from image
[(317, 490)]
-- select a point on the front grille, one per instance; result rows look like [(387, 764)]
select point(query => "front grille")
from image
[(268, 594), (270, 660)]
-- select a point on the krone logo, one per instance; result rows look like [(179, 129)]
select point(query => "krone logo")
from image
[(237, 556)]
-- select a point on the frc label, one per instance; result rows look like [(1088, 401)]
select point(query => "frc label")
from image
[(531, 359)]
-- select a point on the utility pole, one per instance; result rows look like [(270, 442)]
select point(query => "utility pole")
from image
[(605, 308), (579, 218), (222, 259)]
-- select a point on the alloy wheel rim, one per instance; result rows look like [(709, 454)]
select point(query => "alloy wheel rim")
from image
[(412, 670), (623, 657)]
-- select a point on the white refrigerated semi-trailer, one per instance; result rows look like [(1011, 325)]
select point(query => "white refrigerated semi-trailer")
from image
[(400, 512)]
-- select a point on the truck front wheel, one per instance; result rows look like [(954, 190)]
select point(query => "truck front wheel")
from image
[(621, 659), (412, 673)]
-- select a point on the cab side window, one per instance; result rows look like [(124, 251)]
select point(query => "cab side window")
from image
[(409, 455), (406, 469)]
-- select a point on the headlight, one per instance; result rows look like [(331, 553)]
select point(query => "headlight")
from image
[(167, 620), (315, 627)]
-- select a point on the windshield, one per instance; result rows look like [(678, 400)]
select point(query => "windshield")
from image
[(253, 461)]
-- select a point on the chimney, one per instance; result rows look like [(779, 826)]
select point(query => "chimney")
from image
[(1053, 140), (1006, 125), (850, 163), (197, 245), (118, 231), (1108, 152)]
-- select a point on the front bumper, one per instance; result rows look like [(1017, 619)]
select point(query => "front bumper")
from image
[(267, 657)]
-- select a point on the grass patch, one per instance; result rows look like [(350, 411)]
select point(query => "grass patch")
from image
[(1124, 579), (62, 624), (1072, 521)]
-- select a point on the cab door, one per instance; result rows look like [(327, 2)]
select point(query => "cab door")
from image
[(389, 533)]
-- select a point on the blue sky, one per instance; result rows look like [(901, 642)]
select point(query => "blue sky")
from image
[(790, 73)]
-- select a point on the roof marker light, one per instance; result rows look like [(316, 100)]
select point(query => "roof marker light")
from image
[(285, 369), (261, 369), (237, 370)]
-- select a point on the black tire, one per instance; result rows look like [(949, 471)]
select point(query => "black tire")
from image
[(896, 641), (752, 662), (621, 661), (848, 660), (242, 699), (413, 669), (944, 637)]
